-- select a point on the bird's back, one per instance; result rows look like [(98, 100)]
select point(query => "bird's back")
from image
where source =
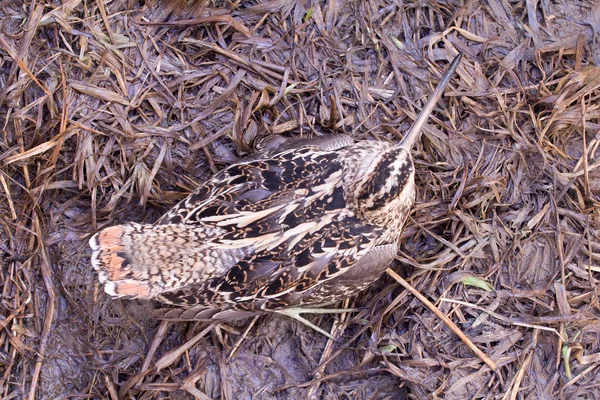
[(261, 234)]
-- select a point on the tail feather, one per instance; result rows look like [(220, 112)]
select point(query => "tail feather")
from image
[(143, 261), (108, 253), (110, 258)]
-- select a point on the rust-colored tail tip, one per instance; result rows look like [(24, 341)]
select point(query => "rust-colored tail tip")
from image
[(109, 258)]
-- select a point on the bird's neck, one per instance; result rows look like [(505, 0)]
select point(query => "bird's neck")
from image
[(378, 181)]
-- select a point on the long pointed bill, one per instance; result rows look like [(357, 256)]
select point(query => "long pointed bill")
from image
[(415, 130)]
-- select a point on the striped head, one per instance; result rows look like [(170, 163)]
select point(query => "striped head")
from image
[(379, 182), (379, 179)]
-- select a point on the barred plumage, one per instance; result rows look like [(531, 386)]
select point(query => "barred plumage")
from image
[(303, 222)]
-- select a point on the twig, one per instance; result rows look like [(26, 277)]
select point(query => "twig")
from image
[(490, 363)]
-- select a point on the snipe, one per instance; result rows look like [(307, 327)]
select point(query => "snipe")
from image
[(305, 222)]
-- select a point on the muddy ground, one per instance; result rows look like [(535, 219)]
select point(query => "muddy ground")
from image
[(112, 111)]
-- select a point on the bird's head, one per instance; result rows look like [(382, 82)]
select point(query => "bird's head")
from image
[(379, 178), (380, 184)]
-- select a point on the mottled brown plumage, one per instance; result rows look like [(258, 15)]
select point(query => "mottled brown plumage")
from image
[(302, 223)]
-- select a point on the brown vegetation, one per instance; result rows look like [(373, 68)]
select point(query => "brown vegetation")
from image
[(112, 111)]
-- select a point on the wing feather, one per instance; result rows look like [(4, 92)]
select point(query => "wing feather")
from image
[(280, 224), (271, 279)]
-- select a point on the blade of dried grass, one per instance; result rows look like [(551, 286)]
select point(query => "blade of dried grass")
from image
[(513, 392), (354, 372), (138, 378), (189, 385), (60, 13), (174, 354), (50, 304), (502, 318), (490, 363), (337, 328), (9, 200), (251, 64), (235, 81), (443, 258), (209, 139), (21, 55), (579, 377), (111, 388), (107, 25), (4, 45), (39, 149), (158, 337), (225, 19), (239, 342), (98, 92), (145, 192)]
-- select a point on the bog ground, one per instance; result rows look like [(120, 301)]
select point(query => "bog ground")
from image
[(112, 111)]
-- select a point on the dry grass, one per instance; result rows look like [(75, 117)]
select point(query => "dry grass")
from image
[(113, 111)]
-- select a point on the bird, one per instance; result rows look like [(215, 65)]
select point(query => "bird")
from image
[(302, 224)]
